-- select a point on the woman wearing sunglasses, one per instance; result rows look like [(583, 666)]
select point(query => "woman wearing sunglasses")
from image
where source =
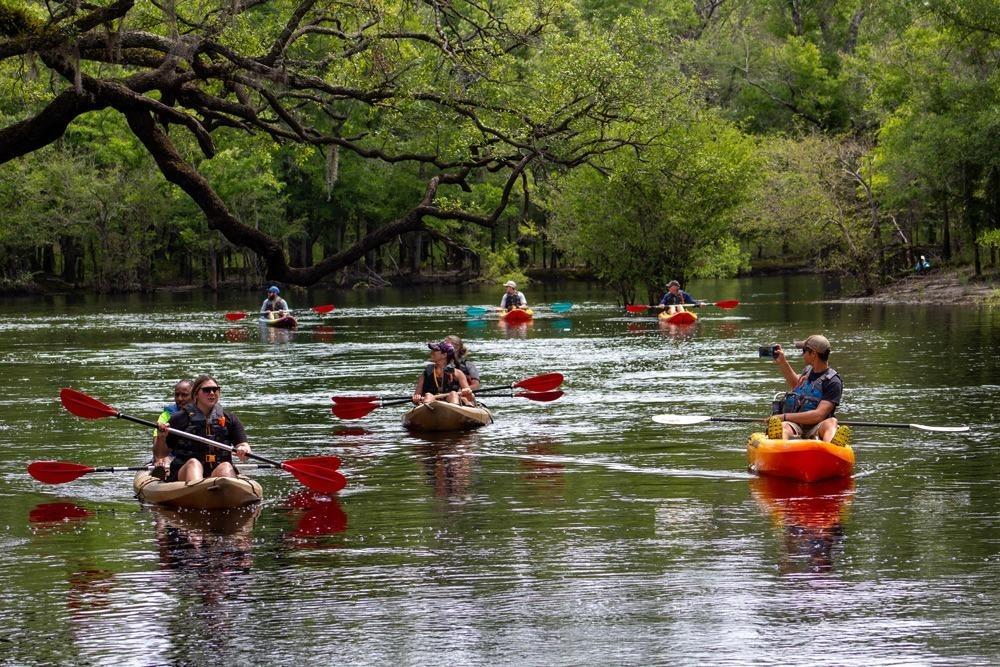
[(203, 416)]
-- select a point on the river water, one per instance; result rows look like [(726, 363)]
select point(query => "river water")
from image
[(568, 532)]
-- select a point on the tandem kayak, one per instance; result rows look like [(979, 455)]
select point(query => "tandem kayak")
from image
[(284, 322), (683, 317), (211, 493), (442, 416), (517, 316), (803, 460)]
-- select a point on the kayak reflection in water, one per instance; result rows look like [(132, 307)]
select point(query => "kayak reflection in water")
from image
[(205, 417), (442, 377)]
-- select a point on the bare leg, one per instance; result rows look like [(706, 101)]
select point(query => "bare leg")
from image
[(191, 471), (224, 469), (827, 428)]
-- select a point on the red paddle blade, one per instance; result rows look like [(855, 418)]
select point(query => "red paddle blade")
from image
[(355, 399), (543, 396), (543, 382), (637, 309), (84, 406), (57, 472), (353, 410), (732, 303), (329, 462), (316, 478), (233, 317), (322, 310)]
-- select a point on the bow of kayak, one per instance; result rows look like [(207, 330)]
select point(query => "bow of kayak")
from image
[(803, 460), (210, 493), (517, 316), (683, 317), (443, 416)]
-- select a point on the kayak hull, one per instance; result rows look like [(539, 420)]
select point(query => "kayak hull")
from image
[(286, 322), (442, 416), (802, 460), (683, 317), (517, 316), (211, 493)]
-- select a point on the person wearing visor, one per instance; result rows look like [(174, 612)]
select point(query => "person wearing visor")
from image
[(274, 303), (675, 298), (203, 416), (807, 410), (512, 298), (441, 380)]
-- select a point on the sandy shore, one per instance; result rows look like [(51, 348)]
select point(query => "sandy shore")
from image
[(940, 286)]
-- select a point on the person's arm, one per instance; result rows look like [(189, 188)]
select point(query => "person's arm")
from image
[(463, 384), (810, 417), (472, 375), (238, 435), (418, 393), (263, 307), (791, 377)]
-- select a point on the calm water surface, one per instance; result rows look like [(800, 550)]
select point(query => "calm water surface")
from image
[(566, 533)]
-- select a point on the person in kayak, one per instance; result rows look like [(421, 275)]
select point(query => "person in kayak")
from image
[(675, 298), (274, 304), (807, 410), (512, 298), (462, 362), (442, 377), (182, 396), (203, 416)]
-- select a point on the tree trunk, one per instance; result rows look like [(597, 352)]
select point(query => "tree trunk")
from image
[(946, 231)]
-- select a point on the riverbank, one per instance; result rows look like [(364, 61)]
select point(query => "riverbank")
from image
[(938, 286)]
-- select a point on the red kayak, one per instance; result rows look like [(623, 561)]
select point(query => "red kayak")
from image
[(517, 316), (683, 317), (284, 322), (804, 460)]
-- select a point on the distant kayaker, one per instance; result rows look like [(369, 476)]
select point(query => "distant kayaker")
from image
[(512, 298), (442, 377), (203, 416), (462, 362), (807, 410), (182, 396), (675, 298), (274, 303)]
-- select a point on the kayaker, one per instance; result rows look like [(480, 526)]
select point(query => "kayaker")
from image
[(675, 298), (273, 303), (807, 410), (203, 416), (462, 362), (442, 377), (512, 298), (182, 396)]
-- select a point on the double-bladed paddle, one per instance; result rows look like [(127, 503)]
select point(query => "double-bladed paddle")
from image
[(535, 383), (60, 472), (687, 420), (730, 303), (319, 310), (359, 410), (558, 307), (308, 470)]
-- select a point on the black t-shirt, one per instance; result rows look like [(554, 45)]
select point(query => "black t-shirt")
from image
[(832, 387)]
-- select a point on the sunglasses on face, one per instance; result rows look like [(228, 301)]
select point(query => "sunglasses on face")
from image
[(209, 390), (804, 350)]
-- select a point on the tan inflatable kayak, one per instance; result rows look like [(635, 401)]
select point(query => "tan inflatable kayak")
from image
[(210, 493), (442, 416)]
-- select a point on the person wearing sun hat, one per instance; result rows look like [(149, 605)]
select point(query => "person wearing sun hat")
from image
[(274, 303), (675, 298), (441, 380), (807, 410), (512, 298)]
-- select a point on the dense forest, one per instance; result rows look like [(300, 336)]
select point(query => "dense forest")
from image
[(162, 142)]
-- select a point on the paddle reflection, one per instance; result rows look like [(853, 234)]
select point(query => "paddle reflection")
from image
[(323, 333), (541, 473), (447, 461), (57, 515), (810, 516), (318, 514), (237, 334), (564, 324)]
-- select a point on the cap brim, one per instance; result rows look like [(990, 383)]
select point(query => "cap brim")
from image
[(800, 344)]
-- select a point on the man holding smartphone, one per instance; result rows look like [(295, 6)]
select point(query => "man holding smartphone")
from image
[(807, 410)]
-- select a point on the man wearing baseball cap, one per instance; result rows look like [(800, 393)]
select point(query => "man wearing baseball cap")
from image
[(807, 410), (512, 298), (675, 298), (273, 303)]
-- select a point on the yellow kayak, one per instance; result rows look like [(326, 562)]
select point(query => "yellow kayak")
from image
[(804, 460)]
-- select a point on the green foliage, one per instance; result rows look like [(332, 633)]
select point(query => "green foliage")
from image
[(502, 265)]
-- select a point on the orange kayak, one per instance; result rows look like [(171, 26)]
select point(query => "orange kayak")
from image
[(517, 316), (804, 460), (683, 317)]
